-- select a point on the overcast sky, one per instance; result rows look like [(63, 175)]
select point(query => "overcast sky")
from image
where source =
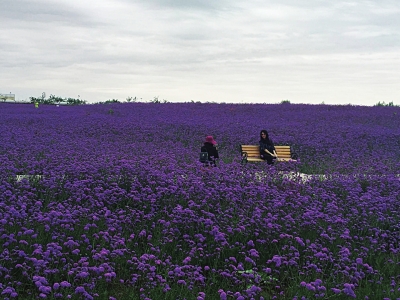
[(250, 51)]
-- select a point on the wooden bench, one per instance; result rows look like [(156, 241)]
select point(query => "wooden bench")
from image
[(252, 153)]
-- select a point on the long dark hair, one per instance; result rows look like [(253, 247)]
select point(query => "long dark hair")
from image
[(266, 135)]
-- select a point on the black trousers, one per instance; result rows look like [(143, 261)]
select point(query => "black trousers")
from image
[(268, 158)]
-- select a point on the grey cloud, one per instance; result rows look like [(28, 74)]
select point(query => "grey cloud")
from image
[(24, 13), (183, 47), (208, 5)]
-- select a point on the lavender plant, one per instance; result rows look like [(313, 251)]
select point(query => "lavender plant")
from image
[(122, 209)]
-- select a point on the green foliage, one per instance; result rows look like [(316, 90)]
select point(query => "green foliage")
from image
[(156, 100), (285, 101), (194, 102), (385, 104), (112, 101), (109, 101), (262, 278), (129, 99), (57, 100)]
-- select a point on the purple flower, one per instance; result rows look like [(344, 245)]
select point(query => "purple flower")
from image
[(9, 291), (250, 243), (277, 260), (80, 290), (186, 260), (348, 290), (249, 260), (65, 284), (45, 289), (299, 240), (254, 253), (222, 295), (82, 275), (105, 201), (310, 287)]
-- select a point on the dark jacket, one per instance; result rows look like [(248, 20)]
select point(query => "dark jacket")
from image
[(266, 144), (211, 150)]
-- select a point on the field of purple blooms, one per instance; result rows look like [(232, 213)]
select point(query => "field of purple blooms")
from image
[(122, 209)]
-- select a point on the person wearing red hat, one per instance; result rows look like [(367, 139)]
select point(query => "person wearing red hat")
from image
[(210, 146)]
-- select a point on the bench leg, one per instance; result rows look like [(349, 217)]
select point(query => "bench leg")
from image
[(244, 158)]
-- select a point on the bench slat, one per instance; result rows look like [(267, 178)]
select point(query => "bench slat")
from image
[(250, 153), (254, 159), (257, 146), (253, 153)]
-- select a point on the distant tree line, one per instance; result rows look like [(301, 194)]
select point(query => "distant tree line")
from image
[(109, 101), (132, 100), (52, 99), (385, 104), (57, 100)]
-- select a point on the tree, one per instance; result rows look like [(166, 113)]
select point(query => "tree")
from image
[(129, 99)]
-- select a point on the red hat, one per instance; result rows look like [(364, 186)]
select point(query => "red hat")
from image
[(210, 139)]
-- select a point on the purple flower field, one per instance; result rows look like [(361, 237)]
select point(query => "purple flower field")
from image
[(122, 208)]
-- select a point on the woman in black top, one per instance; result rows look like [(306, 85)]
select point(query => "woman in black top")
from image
[(210, 146), (267, 148)]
